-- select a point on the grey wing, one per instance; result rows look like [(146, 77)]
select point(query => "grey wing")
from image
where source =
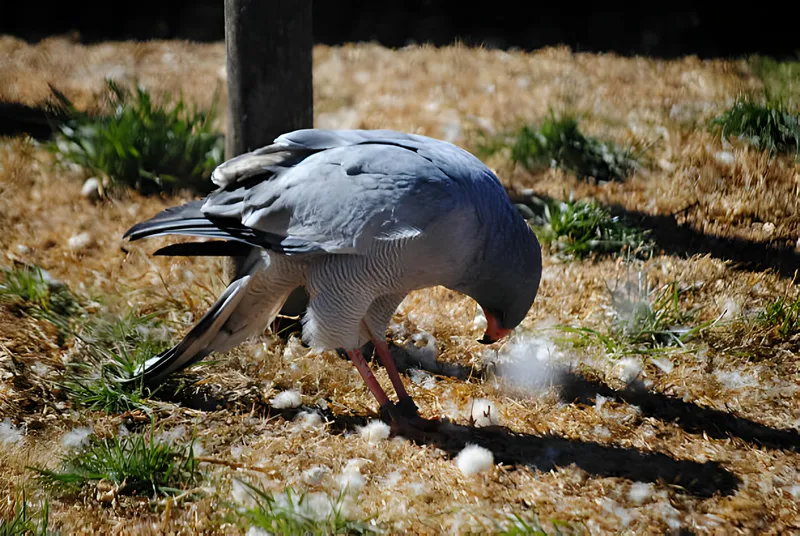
[(342, 199)]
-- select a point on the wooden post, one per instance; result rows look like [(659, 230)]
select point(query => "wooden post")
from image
[(269, 54), (269, 47)]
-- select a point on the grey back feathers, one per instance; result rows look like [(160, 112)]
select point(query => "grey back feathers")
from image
[(359, 218)]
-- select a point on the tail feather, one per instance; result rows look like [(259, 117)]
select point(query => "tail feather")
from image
[(189, 220), (199, 342), (216, 248), (166, 219)]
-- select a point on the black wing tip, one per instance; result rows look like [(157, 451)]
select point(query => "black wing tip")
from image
[(216, 248)]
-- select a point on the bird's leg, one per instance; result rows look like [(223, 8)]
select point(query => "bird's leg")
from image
[(372, 382), (405, 404)]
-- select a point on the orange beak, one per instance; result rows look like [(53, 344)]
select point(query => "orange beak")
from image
[(493, 330)]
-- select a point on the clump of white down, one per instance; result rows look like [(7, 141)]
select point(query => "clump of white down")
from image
[(474, 459), (528, 362), (375, 431), (9, 434), (287, 399), (484, 413), (76, 437)]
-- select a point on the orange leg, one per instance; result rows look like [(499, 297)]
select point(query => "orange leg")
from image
[(369, 378), (404, 402)]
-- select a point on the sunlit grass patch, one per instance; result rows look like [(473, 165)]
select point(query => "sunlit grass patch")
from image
[(291, 513), (136, 463), (23, 520), (580, 228), (147, 145), (771, 126), (781, 79), (30, 291), (114, 349), (782, 317), (529, 525), (645, 319), (558, 142)]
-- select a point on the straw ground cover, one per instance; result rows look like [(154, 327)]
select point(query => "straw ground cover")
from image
[(648, 436)]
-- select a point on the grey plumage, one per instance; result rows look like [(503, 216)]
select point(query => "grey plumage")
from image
[(359, 218)]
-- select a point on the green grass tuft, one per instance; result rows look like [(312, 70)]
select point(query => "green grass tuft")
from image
[(771, 126), (577, 229), (652, 318), (644, 320), (781, 79), (288, 514), (115, 348), (142, 144), (782, 316), (558, 142), (24, 521), (29, 290), (137, 463)]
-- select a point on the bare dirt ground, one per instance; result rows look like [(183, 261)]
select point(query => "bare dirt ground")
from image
[(705, 440)]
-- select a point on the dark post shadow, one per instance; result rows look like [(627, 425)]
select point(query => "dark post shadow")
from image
[(691, 417), (677, 239), (508, 447)]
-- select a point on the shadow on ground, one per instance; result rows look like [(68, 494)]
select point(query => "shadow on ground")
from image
[(542, 453), (691, 417), (682, 240)]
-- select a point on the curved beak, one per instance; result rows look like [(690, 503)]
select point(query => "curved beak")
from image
[(493, 330)]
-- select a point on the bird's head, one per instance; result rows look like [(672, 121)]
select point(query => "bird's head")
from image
[(507, 281)]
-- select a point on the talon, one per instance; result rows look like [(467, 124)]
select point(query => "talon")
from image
[(407, 408), (389, 413)]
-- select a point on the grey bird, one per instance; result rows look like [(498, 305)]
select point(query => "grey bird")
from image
[(359, 218)]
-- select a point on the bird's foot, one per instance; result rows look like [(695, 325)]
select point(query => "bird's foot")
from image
[(407, 408), (404, 419)]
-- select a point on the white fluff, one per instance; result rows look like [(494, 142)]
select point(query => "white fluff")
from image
[(315, 475), (91, 188), (640, 492), (422, 378), (171, 436), (257, 531), (417, 488), (735, 379), (629, 369), (375, 431), (393, 479), (479, 323), (724, 157), (526, 363), (9, 434), (76, 437), (730, 309), (484, 413), (241, 494), (40, 369), (670, 515), (599, 402), (80, 241), (351, 480), (309, 420), (663, 363), (473, 459), (425, 355), (287, 399)]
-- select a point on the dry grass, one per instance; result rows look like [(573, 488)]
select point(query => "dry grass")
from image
[(415, 486)]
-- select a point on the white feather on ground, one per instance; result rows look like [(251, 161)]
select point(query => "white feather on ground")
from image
[(375, 431), (474, 459), (76, 437), (484, 413), (9, 434), (287, 399)]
